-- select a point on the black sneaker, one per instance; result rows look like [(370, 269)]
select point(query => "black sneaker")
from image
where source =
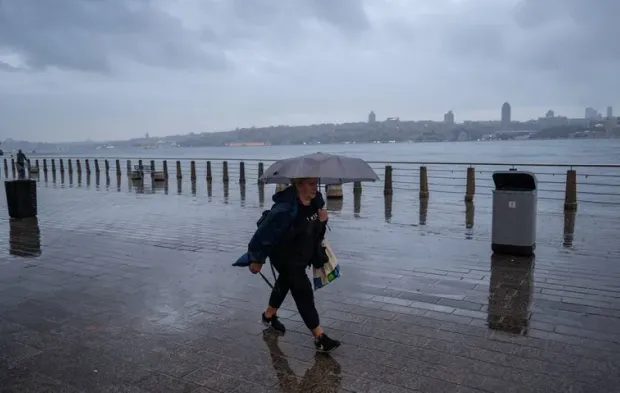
[(274, 323), (325, 344)]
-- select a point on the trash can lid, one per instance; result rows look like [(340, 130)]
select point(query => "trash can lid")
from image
[(515, 180)]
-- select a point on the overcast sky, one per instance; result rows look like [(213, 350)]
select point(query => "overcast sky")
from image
[(109, 69)]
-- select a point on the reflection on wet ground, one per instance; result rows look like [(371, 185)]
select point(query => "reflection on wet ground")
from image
[(123, 289)]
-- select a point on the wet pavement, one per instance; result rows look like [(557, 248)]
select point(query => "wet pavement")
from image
[(130, 289)]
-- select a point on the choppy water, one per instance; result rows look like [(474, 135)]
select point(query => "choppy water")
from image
[(591, 151)]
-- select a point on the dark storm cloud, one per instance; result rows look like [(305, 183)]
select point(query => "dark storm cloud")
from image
[(91, 35)]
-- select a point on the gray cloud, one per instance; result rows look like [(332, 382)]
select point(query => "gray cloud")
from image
[(203, 65)]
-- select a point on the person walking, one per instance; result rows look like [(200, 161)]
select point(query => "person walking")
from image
[(291, 234), (21, 165)]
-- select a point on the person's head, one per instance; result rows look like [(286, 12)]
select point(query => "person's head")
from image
[(306, 188), (19, 151)]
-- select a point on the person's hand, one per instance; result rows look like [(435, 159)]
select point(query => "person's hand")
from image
[(255, 267), (323, 215)]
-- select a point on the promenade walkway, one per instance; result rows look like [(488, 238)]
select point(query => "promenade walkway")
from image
[(125, 290)]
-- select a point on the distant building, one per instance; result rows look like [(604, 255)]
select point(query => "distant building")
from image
[(506, 114), (372, 118), (448, 118), (610, 112), (592, 114), (550, 113)]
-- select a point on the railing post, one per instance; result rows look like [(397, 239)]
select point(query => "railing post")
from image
[(570, 198), (209, 173), (225, 172), (192, 171), (470, 188), (165, 166), (241, 172), (96, 166), (179, 174), (106, 165), (118, 168), (423, 183), (261, 170), (387, 188), (87, 164)]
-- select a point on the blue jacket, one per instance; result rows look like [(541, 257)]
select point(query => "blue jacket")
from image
[(273, 225)]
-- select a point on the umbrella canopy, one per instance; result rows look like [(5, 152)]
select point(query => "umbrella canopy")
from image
[(329, 168)]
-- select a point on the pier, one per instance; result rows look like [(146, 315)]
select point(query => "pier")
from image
[(124, 284)]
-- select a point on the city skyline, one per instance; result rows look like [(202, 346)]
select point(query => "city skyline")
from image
[(116, 69)]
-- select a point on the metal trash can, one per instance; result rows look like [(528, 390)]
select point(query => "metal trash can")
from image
[(21, 197), (515, 203)]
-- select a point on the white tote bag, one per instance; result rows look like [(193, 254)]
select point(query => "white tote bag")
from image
[(330, 270)]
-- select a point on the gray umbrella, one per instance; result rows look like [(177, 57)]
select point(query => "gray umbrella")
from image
[(329, 168)]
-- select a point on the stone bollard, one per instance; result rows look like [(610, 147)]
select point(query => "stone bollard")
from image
[(192, 171), (470, 188), (106, 165), (118, 169), (179, 174), (333, 191), (261, 170), (209, 173), (87, 164), (78, 166), (570, 198), (357, 187), (165, 166), (128, 167), (423, 183), (241, 172), (96, 166), (69, 167), (225, 172), (44, 165), (280, 187), (387, 188)]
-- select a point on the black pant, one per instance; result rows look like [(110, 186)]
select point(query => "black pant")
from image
[(295, 279)]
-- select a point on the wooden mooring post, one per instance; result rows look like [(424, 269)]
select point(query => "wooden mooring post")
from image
[(179, 174), (192, 171), (470, 187), (570, 197), (261, 170), (225, 172), (424, 192), (209, 173), (241, 172), (387, 187)]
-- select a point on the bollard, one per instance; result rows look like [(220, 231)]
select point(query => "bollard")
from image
[(140, 165), (69, 167), (53, 166), (387, 188), (152, 167), (357, 187), (165, 165), (423, 183), (570, 198), (261, 170), (128, 167), (192, 171), (423, 210), (333, 191), (387, 209), (96, 166), (118, 169), (569, 227), (6, 168), (44, 165), (241, 172), (225, 172), (87, 164), (209, 174), (78, 166), (13, 168), (106, 165), (179, 174), (470, 188), (36, 164)]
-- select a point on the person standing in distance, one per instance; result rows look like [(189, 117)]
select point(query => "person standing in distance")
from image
[(291, 236)]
